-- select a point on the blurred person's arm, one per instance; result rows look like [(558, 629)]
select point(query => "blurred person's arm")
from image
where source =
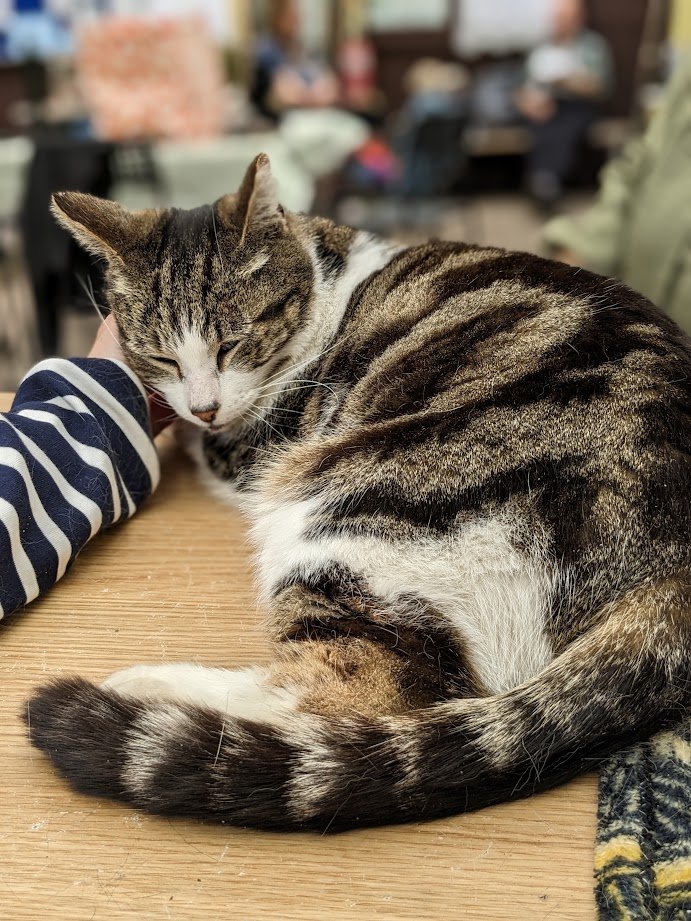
[(531, 99), (595, 239), (325, 91), (583, 84), (534, 103), (267, 62), (76, 456), (290, 90)]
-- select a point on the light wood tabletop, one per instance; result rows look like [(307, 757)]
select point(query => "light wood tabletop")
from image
[(173, 584)]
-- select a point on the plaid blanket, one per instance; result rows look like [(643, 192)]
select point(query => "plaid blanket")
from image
[(643, 847)]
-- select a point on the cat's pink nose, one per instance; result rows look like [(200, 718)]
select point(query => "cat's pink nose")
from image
[(207, 414)]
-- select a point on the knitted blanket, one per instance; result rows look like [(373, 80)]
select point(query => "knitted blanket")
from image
[(643, 847)]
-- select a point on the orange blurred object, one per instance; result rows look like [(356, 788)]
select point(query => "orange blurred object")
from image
[(146, 79)]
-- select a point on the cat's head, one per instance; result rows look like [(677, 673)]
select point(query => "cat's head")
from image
[(211, 303)]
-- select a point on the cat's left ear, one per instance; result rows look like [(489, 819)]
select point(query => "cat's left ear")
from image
[(256, 204), (103, 227)]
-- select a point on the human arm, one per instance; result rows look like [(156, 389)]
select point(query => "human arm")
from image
[(598, 238), (594, 239), (76, 456), (583, 84), (579, 70), (534, 103)]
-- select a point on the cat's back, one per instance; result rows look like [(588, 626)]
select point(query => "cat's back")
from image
[(451, 328), (474, 294), (475, 380)]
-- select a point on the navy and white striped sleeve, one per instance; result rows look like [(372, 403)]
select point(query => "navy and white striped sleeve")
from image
[(76, 456)]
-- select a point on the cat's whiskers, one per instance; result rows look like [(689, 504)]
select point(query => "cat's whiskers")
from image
[(89, 291), (265, 397), (284, 409), (218, 245), (263, 420), (306, 385), (265, 400), (301, 364)]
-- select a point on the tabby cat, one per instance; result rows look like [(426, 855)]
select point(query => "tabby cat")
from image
[(467, 473)]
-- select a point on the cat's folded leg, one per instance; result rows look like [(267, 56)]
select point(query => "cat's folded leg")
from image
[(219, 459), (246, 692), (326, 677), (224, 459), (328, 663)]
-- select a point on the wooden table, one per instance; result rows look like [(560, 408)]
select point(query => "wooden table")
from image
[(175, 584)]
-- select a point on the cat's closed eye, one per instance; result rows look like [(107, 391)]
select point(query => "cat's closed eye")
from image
[(225, 349), (166, 360), (274, 310)]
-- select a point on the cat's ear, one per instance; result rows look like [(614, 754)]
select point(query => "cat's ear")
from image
[(256, 204), (103, 227)]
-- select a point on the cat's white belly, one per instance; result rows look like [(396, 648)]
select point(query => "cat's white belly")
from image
[(496, 598)]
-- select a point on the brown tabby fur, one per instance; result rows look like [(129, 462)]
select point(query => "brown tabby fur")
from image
[(478, 422)]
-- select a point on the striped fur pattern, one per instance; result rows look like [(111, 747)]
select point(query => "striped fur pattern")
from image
[(467, 475)]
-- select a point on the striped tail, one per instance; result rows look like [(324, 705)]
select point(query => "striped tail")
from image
[(618, 683)]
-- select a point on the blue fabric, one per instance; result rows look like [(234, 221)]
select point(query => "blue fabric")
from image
[(61, 495), (33, 33), (28, 6)]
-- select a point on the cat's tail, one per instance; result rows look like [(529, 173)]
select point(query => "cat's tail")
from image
[(626, 677)]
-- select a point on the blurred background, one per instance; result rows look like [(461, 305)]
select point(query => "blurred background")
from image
[(475, 120)]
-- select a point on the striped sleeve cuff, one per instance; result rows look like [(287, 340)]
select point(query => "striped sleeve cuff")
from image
[(76, 455)]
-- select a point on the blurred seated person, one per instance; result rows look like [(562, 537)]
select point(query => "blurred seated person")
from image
[(302, 96), (285, 76), (639, 228), (428, 128), (566, 79)]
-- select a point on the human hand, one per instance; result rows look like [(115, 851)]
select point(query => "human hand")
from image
[(567, 256), (288, 91), (582, 84), (107, 341), (324, 91), (107, 345)]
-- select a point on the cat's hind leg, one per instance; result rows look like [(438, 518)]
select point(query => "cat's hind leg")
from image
[(244, 692), (331, 677)]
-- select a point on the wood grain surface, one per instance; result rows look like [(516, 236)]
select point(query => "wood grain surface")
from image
[(175, 584)]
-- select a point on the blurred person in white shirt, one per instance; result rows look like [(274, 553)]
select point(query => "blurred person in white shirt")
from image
[(566, 79)]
